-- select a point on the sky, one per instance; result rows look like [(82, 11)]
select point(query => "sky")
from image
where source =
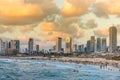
[(44, 20)]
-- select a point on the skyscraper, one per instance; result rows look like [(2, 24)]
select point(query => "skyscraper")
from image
[(37, 48), (98, 46), (13, 47), (104, 44), (75, 47), (68, 45), (4, 46), (1, 47), (13, 44), (30, 45), (81, 48), (17, 45), (92, 44), (112, 39), (58, 44), (88, 46)]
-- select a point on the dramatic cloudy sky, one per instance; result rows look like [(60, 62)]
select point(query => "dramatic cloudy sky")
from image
[(44, 20)]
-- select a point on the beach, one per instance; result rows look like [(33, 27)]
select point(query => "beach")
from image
[(31, 69), (94, 61)]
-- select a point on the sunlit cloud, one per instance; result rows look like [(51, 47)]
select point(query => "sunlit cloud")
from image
[(18, 12), (47, 19), (75, 7), (90, 24), (23, 38), (108, 6), (102, 32)]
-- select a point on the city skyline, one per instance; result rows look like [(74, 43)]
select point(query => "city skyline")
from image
[(94, 44), (59, 39), (24, 19)]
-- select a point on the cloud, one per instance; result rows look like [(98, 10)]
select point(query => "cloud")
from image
[(5, 38), (102, 32), (47, 26), (118, 28), (99, 13), (90, 24), (62, 28), (3, 29), (22, 28), (20, 12), (50, 33), (108, 6), (22, 38), (75, 7), (25, 28)]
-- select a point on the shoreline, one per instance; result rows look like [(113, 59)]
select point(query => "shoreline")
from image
[(102, 62)]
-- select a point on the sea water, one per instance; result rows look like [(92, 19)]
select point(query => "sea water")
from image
[(15, 69)]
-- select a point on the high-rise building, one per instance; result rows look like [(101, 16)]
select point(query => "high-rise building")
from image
[(13, 44), (3, 47), (112, 39), (37, 48), (1, 42), (12, 47), (92, 44), (98, 44), (30, 45), (68, 45), (104, 44), (88, 46), (74, 48), (9, 45), (58, 44), (17, 45), (81, 48), (54, 47)]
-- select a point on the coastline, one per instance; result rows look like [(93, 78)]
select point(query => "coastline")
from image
[(102, 62)]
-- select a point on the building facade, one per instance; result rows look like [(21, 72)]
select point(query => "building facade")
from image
[(112, 39), (92, 44), (75, 48), (88, 46), (98, 44), (30, 45), (17, 45), (58, 44), (12, 47), (37, 48), (104, 45), (81, 48), (68, 45), (3, 47), (13, 44)]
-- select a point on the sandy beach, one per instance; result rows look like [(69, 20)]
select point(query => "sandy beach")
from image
[(94, 61)]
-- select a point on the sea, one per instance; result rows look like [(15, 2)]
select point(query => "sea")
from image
[(16, 69)]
